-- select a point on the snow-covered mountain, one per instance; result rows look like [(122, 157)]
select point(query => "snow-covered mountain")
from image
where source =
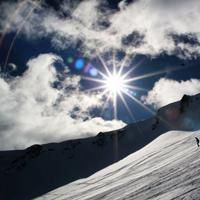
[(166, 169), (29, 173)]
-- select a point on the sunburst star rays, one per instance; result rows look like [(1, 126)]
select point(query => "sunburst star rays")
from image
[(116, 82)]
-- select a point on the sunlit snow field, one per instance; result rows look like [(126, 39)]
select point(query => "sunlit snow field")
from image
[(167, 168)]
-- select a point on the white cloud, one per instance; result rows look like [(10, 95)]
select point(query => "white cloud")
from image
[(155, 20), (32, 111), (144, 17), (86, 13), (12, 67), (166, 91), (122, 4)]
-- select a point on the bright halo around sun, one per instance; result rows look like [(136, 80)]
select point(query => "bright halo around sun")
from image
[(115, 84)]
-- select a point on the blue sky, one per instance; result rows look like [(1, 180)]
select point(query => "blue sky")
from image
[(69, 36)]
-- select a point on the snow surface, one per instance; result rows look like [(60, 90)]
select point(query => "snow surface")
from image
[(167, 168), (162, 163)]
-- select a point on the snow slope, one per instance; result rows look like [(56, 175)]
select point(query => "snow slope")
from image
[(167, 168), (39, 169)]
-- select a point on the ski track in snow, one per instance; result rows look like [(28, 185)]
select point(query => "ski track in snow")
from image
[(167, 168)]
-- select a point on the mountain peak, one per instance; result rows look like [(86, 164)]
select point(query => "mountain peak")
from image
[(183, 114), (41, 168)]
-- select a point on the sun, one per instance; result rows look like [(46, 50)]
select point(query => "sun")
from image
[(115, 84)]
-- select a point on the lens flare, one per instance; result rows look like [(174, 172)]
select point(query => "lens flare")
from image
[(113, 84), (70, 60), (117, 83), (79, 64), (93, 72)]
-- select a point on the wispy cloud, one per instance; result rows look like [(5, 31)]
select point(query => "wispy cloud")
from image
[(104, 29), (32, 111), (166, 91)]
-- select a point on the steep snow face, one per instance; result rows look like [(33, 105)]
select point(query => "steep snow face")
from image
[(39, 169), (167, 168)]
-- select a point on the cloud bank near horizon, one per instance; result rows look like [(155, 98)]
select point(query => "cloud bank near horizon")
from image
[(33, 111), (166, 91)]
